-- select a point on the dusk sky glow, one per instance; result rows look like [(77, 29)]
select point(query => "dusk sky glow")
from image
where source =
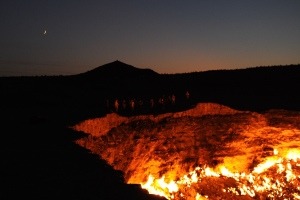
[(48, 37)]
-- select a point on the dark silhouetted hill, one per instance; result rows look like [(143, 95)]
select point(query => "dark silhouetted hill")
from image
[(119, 70)]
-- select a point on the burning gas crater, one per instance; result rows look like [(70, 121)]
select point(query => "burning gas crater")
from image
[(208, 152)]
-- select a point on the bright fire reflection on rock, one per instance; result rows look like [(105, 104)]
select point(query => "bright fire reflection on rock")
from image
[(208, 152)]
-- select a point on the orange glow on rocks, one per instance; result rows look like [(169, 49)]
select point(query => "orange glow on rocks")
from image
[(208, 152)]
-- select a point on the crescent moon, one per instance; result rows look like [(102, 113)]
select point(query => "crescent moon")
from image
[(45, 32)]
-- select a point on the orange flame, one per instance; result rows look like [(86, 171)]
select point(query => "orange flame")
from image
[(286, 184)]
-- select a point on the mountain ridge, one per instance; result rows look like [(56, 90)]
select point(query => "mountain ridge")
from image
[(118, 69)]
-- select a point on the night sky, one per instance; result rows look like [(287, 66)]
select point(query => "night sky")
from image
[(49, 37)]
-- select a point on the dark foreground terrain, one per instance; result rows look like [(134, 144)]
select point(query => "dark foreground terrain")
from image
[(38, 153)]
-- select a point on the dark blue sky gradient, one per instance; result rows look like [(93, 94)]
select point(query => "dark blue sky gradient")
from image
[(166, 36)]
